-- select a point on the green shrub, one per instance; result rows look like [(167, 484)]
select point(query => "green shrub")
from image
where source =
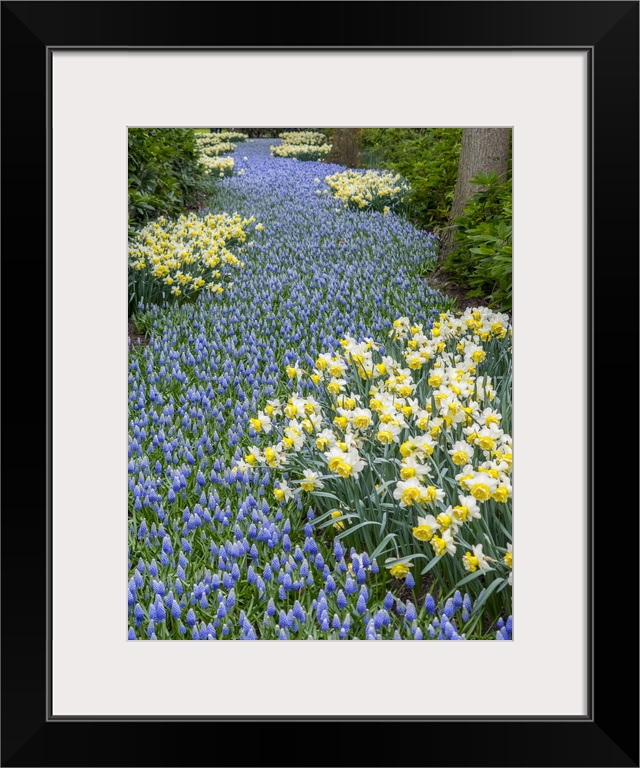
[(483, 259), (165, 177), (426, 157)]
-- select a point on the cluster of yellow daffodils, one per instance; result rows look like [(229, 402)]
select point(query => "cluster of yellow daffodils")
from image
[(379, 190), (236, 136), (303, 137), (302, 151), (219, 148), (304, 419), (213, 144), (413, 426), (217, 166), (302, 145), (216, 138), (191, 253)]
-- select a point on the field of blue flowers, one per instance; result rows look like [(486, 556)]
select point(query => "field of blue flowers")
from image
[(213, 552)]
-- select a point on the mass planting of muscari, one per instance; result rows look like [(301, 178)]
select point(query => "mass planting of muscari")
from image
[(318, 449)]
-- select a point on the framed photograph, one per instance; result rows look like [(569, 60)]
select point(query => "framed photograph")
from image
[(80, 80)]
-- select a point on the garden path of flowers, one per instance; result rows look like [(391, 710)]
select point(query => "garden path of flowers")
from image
[(220, 547)]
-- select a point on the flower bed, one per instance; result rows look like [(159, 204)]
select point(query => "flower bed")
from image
[(218, 166), (222, 550), (302, 145), (217, 148), (234, 136), (403, 449), (301, 151), (173, 261), (308, 138), (381, 191)]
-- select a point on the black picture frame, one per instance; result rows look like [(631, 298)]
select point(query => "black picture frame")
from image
[(608, 735)]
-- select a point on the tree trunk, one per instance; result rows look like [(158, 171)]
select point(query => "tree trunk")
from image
[(346, 147), (483, 150)]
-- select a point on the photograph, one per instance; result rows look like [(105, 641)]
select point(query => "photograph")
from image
[(330, 357), (320, 348)]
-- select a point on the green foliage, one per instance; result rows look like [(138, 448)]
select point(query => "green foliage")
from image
[(426, 157), (165, 177), (483, 259), (144, 321)]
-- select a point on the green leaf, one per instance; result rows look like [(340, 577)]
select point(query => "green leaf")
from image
[(380, 546), (340, 519), (325, 515), (433, 562), (405, 559), (469, 577), (483, 597), (326, 495), (347, 531)]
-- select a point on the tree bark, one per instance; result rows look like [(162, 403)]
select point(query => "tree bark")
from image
[(483, 150), (346, 147)]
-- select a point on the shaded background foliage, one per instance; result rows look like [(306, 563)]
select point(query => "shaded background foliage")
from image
[(165, 177), (428, 158)]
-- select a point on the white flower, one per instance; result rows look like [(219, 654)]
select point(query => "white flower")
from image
[(316, 421), (361, 418), (310, 480), (253, 457), (344, 463), (274, 407), (487, 438), (388, 433), (461, 452), (408, 492), (294, 371), (294, 432), (411, 467), (488, 417), (444, 544), (262, 423), (468, 509), (283, 492), (275, 456), (355, 462), (423, 444), (481, 486), (426, 528), (325, 439), (475, 559)]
